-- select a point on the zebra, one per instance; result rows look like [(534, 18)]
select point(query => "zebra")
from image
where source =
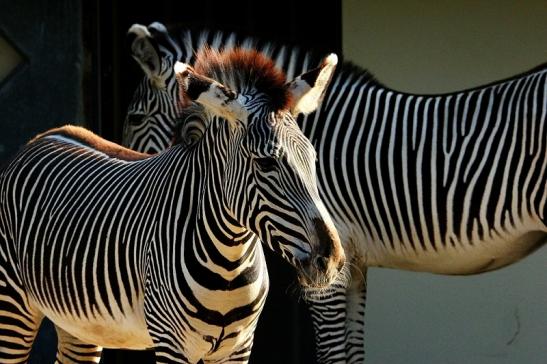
[(448, 184), (124, 249)]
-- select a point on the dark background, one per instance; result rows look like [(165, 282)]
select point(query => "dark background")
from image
[(77, 69), (105, 27)]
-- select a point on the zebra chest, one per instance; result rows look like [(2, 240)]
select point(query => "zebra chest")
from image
[(214, 307)]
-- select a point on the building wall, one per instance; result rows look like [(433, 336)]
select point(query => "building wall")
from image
[(42, 41), (436, 46), (440, 45)]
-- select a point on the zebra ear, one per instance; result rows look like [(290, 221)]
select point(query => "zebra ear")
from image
[(215, 97), (309, 88), (153, 50), (144, 51)]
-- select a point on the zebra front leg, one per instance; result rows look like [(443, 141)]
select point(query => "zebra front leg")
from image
[(328, 312), (355, 317), (72, 350)]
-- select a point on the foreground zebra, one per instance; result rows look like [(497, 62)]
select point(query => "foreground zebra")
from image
[(125, 250), (449, 184)]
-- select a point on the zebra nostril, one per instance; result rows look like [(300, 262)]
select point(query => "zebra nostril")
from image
[(322, 263), (341, 265)]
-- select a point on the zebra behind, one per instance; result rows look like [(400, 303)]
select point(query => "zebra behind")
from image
[(122, 249), (448, 184)]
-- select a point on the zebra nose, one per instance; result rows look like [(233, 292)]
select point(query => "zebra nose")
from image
[(322, 263), (325, 236)]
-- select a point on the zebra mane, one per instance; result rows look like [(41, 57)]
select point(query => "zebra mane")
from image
[(244, 70), (187, 43), (193, 39), (348, 68)]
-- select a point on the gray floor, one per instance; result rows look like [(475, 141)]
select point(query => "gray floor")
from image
[(498, 317)]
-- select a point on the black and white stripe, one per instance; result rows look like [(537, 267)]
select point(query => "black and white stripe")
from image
[(450, 184), (126, 250)]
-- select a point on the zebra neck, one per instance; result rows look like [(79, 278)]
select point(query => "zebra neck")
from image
[(232, 242), (219, 239)]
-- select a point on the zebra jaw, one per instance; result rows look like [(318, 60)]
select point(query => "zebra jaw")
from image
[(214, 96)]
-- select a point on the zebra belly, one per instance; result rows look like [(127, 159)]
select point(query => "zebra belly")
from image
[(454, 256), (127, 332), (481, 256)]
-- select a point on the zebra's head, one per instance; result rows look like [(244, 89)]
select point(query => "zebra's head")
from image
[(150, 119), (269, 181)]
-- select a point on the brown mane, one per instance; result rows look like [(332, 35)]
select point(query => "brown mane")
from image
[(84, 136), (244, 69)]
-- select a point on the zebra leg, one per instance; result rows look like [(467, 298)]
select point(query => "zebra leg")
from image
[(19, 323), (19, 319), (72, 350), (328, 313), (355, 317)]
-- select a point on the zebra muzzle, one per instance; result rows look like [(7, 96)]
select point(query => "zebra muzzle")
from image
[(320, 271)]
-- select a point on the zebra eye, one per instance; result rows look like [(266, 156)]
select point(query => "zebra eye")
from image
[(266, 164), (135, 119)]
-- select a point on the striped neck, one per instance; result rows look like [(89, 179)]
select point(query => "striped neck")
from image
[(219, 236)]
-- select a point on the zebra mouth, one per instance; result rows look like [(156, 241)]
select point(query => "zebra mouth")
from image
[(309, 283), (325, 284), (310, 276)]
